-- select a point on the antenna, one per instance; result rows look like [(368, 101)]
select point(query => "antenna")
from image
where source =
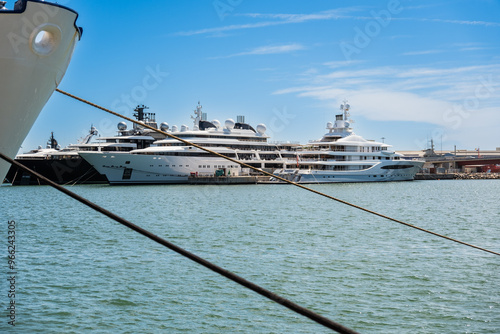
[(199, 114)]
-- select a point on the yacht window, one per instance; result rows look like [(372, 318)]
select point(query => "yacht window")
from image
[(127, 173), (397, 167)]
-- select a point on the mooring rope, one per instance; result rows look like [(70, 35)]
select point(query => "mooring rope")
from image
[(277, 177), (207, 264)]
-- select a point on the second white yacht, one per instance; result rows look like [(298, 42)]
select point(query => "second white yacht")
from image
[(342, 156)]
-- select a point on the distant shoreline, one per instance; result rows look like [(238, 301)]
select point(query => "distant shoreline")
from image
[(457, 176)]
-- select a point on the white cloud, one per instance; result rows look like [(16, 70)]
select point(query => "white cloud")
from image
[(419, 53), (342, 63), (278, 19), (380, 104), (296, 18), (228, 28), (463, 22), (266, 50), (333, 14), (454, 98)]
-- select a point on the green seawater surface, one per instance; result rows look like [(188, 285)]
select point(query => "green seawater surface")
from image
[(80, 272)]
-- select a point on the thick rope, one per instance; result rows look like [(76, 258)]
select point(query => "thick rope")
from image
[(277, 177), (226, 273)]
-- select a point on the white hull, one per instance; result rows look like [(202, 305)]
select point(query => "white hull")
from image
[(36, 45), (126, 168), (379, 172)]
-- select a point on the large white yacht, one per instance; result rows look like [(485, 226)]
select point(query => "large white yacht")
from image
[(342, 156), (171, 161), (37, 40)]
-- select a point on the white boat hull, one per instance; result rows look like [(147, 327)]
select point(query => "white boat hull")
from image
[(380, 172), (126, 168), (36, 45)]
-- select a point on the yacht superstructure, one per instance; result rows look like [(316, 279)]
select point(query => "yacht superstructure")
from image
[(342, 156)]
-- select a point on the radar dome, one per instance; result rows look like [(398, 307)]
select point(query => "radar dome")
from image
[(329, 125), (164, 127), (121, 126), (229, 124), (261, 128), (216, 123), (174, 128), (184, 128)]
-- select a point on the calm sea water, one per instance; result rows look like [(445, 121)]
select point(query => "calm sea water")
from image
[(77, 271)]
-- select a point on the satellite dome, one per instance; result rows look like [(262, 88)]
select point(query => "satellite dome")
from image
[(230, 124), (261, 128), (216, 123), (164, 127), (174, 128), (121, 126), (329, 125), (184, 128)]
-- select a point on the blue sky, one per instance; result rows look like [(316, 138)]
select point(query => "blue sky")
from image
[(411, 70)]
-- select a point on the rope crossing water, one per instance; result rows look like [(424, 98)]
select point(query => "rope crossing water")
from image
[(238, 279), (277, 177), (266, 293)]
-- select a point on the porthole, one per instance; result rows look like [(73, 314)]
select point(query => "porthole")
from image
[(45, 39)]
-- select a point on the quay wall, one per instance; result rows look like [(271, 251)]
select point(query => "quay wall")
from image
[(226, 179), (457, 176)]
